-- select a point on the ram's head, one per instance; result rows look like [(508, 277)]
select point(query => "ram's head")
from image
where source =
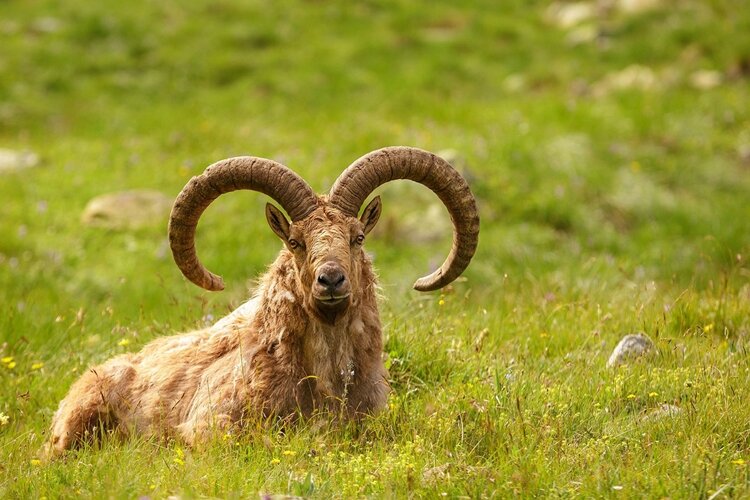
[(325, 234)]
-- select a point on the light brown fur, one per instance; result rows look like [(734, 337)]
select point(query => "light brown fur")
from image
[(281, 354)]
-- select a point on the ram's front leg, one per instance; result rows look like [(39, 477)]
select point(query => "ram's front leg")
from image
[(369, 389), (91, 404), (367, 398)]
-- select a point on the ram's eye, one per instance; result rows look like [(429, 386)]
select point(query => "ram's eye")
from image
[(294, 244), (359, 239)]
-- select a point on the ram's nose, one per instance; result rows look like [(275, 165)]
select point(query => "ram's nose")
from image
[(332, 280)]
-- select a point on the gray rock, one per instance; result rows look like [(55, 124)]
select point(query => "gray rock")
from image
[(629, 348), (706, 79), (514, 83), (662, 411), (47, 24), (566, 15), (11, 160), (635, 77), (436, 474), (128, 210), (581, 35), (637, 6)]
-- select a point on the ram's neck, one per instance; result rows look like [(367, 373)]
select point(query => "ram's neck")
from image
[(331, 353)]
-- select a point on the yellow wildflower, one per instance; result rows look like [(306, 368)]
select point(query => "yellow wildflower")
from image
[(7, 359), (441, 302), (708, 327), (38, 365), (289, 453), (123, 342), (653, 394), (740, 462), (631, 396), (275, 461), (11, 365), (36, 461)]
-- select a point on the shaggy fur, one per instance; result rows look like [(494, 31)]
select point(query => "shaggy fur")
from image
[(281, 354), (310, 337)]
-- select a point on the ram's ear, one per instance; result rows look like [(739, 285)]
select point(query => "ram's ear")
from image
[(371, 214), (278, 222)]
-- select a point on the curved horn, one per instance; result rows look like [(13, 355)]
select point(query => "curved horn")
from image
[(243, 172), (361, 178)]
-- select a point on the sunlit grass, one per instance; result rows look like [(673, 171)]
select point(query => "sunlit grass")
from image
[(603, 214)]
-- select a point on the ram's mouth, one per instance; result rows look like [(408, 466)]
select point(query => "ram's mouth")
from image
[(330, 300)]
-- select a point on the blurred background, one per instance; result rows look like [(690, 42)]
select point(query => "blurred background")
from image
[(607, 141)]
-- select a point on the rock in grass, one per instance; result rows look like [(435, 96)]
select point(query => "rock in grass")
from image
[(706, 79), (128, 210), (629, 348), (662, 411), (11, 160), (637, 6), (435, 474), (566, 14), (635, 76)]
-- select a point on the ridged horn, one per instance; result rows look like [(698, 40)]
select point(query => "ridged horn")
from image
[(363, 176), (243, 172)]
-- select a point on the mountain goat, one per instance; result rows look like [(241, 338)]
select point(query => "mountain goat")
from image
[(309, 339)]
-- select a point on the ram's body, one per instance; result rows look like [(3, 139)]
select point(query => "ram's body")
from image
[(268, 355), (309, 339)]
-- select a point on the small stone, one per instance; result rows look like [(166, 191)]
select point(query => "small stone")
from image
[(662, 411), (11, 160), (637, 6), (514, 83), (706, 79), (47, 24), (567, 15), (630, 348), (743, 151), (435, 474), (127, 210), (634, 76), (583, 34)]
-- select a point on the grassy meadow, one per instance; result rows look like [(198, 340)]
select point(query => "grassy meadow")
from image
[(609, 149)]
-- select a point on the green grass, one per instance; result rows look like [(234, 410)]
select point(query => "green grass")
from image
[(602, 214)]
